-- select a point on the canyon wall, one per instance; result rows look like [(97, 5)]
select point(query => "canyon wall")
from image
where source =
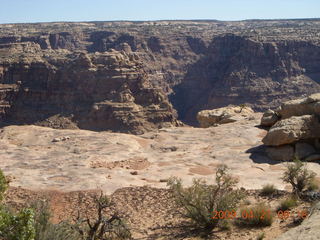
[(121, 76), (103, 91), (239, 70)]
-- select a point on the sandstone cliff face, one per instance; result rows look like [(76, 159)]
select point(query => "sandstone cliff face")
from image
[(200, 65), (107, 91), (238, 70)]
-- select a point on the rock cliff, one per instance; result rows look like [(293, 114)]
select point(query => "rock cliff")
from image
[(198, 64), (102, 91), (240, 70)]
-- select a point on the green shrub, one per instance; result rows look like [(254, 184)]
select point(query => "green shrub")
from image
[(102, 227), (3, 185), (287, 204), (268, 190), (18, 226), (45, 230), (200, 201), (14, 226), (261, 236), (298, 176), (61, 231), (313, 186), (257, 216), (225, 225)]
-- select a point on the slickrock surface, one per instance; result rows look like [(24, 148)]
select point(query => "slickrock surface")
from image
[(308, 230), (69, 160)]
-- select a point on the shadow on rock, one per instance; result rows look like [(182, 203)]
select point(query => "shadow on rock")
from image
[(258, 155)]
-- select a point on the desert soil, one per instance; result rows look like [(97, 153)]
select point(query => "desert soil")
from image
[(60, 164)]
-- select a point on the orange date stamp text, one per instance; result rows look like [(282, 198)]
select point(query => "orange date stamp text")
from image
[(264, 214)]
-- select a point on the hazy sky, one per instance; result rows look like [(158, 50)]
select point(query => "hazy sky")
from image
[(12, 11)]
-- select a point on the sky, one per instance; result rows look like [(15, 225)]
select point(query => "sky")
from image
[(26, 11)]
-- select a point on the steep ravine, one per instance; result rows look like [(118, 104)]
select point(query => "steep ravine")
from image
[(237, 70), (199, 65)]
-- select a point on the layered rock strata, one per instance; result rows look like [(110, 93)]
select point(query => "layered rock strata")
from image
[(102, 91), (199, 64)]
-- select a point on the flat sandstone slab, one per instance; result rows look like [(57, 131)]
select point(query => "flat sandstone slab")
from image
[(85, 160)]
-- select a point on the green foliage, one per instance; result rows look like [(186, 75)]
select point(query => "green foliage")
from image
[(18, 226), (3, 185), (15, 226), (298, 176), (225, 225), (257, 216), (313, 186), (61, 231), (261, 236), (45, 230), (242, 106), (199, 201), (287, 204), (268, 190), (102, 227)]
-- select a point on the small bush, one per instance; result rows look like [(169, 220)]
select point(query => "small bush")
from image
[(19, 226), (225, 225), (102, 227), (14, 225), (268, 190), (313, 186), (199, 201), (246, 202), (287, 204), (3, 185), (45, 230), (298, 176), (261, 236), (257, 216)]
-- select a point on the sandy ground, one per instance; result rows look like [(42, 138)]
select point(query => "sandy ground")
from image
[(87, 160), (150, 212)]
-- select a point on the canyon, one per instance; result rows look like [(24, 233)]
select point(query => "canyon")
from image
[(123, 106), (191, 65)]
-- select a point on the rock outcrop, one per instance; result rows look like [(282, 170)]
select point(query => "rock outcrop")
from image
[(240, 70), (308, 230), (269, 118), (198, 64), (293, 129), (102, 91), (297, 131), (208, 118)]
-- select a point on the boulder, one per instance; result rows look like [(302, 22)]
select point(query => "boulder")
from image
[(303, 150), (282, 153), (269, 118), (293, 129), (208, 118), (308, 230), (299, 107)]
